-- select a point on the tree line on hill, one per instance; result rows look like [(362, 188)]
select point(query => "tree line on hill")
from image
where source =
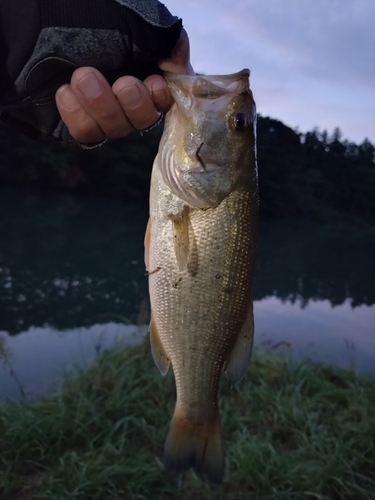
[(314, 175)]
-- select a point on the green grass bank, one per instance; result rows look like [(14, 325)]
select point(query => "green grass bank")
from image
[(291, 431)]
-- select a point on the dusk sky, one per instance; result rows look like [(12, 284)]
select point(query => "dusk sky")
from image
[(312, 62)]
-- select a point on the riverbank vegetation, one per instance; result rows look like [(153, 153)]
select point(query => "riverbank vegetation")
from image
[(315, 176), (290, 431)]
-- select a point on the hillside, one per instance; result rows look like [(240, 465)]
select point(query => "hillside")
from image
[(314, 176)]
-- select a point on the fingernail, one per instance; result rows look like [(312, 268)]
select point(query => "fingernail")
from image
[(68, 99), (90, 86), (130, 96)]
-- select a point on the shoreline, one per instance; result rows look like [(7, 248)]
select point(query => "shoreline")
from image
[(290, 430)]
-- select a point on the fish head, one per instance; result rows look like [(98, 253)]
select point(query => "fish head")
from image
[(208, 144)]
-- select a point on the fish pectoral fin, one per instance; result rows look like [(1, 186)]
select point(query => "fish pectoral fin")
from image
[(147, 245), (158, 352), (181, 237), (240, 355)]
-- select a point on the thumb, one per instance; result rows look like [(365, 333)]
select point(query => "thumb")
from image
[(179, 62)]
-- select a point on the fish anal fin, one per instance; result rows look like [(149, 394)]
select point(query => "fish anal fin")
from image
[(158, 352), (240, 355), (195, 445), (181, 237), (147, 245)]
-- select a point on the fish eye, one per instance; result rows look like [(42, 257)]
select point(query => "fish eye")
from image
[(239, 122)]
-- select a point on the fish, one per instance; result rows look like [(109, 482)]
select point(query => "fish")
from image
[(200, 248)]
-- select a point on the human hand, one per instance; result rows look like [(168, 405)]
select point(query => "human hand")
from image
[(93, 110)]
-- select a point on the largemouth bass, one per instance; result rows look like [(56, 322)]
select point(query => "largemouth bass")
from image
[(200, 249)]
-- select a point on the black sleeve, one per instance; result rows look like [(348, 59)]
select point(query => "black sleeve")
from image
[(43, 41)]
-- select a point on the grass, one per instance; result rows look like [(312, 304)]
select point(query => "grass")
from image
[(291, 431)]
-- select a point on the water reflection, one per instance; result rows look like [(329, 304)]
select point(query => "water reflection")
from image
[(72, 261), (68, 262), (36, 360), (72, 267), (338, 335), (311, 262)]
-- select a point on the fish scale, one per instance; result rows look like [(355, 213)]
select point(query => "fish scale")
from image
[(200, 253)]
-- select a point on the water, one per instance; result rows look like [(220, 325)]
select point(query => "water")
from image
[(72, 282)]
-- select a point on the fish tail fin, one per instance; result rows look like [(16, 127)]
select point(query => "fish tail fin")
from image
[(195, 445)]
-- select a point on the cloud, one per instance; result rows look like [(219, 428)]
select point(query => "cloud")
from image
[(310, 61)]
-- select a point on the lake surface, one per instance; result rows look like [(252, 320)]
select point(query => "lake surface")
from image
[(72, 282)]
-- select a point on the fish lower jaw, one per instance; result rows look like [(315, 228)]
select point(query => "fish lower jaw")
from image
[(197, 194)]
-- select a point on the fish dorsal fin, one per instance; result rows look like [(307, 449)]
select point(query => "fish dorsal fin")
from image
[(181, 237), (241, 353), (158, 352)]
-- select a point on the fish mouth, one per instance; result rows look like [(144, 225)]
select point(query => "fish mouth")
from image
[(197, 160), (198, 156), (199, 180)]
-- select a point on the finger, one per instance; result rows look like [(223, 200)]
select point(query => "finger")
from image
[(160, 93), (136, 101), (98, 100), (82, 127)]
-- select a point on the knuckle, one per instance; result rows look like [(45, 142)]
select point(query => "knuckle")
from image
[(86, 131), (108, 115), (114, 123), (116, 132), (141, 123)]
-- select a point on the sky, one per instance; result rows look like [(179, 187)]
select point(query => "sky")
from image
[(312, 62)]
